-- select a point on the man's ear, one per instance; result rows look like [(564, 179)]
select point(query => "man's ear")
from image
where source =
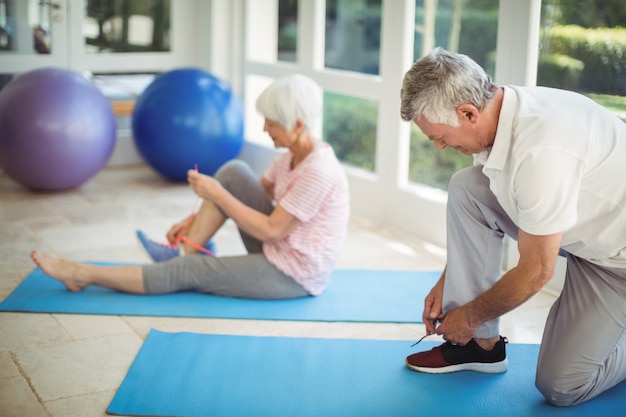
[(468, 112)]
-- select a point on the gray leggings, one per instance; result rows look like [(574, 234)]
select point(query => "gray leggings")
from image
[(583, 351), (245, 276)]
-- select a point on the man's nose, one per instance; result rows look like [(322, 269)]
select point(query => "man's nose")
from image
[(440, 144)]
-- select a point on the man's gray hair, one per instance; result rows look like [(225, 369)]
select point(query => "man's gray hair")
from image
[(437, 84), (291, 98)]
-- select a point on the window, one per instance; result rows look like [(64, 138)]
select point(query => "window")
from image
[(583, 48), (353, 35), (396, 176), (352, 43), (348, 47), (465, 26), (350, 127), (287, 30), (126, 26), (25, 26)]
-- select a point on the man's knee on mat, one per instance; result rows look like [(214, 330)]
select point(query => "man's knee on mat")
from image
[(563, 390)]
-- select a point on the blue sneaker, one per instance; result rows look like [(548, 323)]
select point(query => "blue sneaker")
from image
[(212, 247), (159, 252)]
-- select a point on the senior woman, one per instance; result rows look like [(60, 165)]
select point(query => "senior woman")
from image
[(293, 220)]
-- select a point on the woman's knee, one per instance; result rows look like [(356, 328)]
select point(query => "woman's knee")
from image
[(234, 168)]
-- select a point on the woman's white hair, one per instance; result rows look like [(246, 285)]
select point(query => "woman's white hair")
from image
[(291, 98)]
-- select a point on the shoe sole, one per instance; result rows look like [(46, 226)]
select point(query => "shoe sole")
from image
[(487, 368)]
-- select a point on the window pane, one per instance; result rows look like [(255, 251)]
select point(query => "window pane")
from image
[(466, 26), (127, 26), (350, 127), (583, 48), (430, 166), (353, 35), (25, 26), (6, 36), (287, 30)]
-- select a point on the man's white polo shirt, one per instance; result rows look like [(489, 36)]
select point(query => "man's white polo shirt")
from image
[(558, 164)]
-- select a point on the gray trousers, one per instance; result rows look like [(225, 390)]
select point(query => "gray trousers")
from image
[(583, 351), (245, 276)]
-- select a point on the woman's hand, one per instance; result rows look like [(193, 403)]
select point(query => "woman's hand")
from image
[(204, 186), (174, 231)]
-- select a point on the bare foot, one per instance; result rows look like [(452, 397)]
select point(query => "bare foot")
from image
[(65, 271)]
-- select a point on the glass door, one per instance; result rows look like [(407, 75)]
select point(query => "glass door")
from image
[(99, 36), (33, 34), (117, 36)]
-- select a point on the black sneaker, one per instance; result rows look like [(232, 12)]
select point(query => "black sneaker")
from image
[(452, 358)]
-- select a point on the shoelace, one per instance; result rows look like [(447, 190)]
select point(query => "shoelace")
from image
[(164, 244), (421, 338), (180, 237)]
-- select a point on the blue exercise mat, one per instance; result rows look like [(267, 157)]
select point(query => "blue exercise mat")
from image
[(189, 374), (353, 295)]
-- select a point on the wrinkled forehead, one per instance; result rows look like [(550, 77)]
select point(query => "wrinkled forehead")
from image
[(424, 125), (430, 129)]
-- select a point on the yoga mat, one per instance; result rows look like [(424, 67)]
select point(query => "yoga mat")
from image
[(352, 295), (188, 374)]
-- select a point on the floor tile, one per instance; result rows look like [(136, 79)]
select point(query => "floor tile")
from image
[(20, 330), (80, 367), (8, 369), (97, 326), (89, 405), (18, 400)]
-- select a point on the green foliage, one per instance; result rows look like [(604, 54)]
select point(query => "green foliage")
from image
[(430, 166), (560, 71), (603, 50), (479, 27), (102, 10), (287, 38), (616, 104), (350, 127), (592, 13)]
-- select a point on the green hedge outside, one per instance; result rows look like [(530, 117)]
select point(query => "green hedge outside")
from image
[(602, 50)]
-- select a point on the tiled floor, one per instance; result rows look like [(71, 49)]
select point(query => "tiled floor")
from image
[(71, 365)]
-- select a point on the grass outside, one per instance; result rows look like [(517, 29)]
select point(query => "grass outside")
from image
[(616, 104)]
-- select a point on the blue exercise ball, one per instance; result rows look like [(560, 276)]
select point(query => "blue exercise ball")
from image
[(187, 117), (57, 129)]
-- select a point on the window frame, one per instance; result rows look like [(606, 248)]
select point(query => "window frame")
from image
[(386, 194)]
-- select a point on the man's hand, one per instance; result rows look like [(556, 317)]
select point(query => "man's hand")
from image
[(535, 267), (456, 327), (432, 306)]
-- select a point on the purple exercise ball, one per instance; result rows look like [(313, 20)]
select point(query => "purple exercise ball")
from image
[(57, 129)]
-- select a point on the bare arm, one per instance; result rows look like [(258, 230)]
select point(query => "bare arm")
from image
[(269, 187), (277, 225), (535, 268)]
